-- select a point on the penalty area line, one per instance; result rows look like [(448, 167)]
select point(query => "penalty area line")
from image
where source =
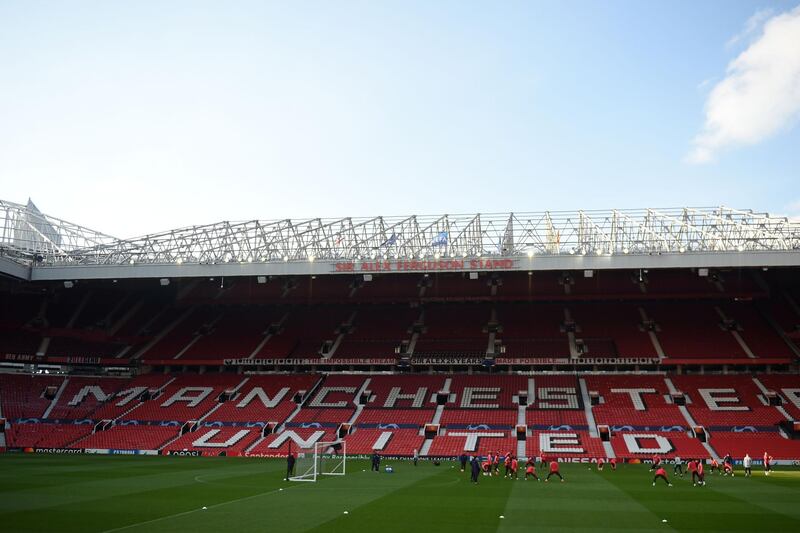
[(184, 513)]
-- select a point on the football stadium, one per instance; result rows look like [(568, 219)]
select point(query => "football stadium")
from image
[(607, 370)]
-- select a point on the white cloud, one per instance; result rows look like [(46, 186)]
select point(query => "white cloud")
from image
[(760, 94), (751, 27)]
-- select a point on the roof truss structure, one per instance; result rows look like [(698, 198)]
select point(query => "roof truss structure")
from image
[(29, 237)]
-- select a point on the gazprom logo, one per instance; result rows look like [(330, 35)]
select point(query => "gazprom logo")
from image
[(560, 428), (744, 429), (388, 426), (477, 427), (305, 425), (255, 424), (671, 428)]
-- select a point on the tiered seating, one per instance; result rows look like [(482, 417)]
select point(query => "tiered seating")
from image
[(466, 418), (268, 445), (155, 410), (22, 396), (457, 329), (556, 402), (255, 410), (377, 331), (403, 410), (130, 437), (403, 417), (777, 383), (532, 330), (316, 410), (738, 444), (611, 329), (754, 412), (304, 332), (693, 330), (241, 439), (619, 410), (509, 386), (402, 441), (190, 327), (756, 332), (592, 447), (555, 407), (450, 445), (45, 435), (684, 446), (236, 334), (112, 409), (86, 407)]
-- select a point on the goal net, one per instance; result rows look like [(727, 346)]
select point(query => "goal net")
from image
[(324, 459)]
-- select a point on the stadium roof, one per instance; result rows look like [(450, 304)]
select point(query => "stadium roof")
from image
[(40, 247)]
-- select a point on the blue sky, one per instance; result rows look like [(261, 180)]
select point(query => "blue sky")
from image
[(133, 117)]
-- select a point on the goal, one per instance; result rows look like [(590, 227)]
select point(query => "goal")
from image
[(324, 459)]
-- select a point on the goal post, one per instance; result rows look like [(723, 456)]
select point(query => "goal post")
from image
[(324, 459), (332, 458), (305, 465)]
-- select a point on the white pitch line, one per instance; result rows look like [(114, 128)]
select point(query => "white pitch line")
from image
[(184, 513)]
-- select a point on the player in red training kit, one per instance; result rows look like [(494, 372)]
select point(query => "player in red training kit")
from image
[(600, 463), (699, 470), (554, 472), (656, 463), (486, 467), (514, 467), (530, 469), (613, 463), (767, 464), (661, 473)]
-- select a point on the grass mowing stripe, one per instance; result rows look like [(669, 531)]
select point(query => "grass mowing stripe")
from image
[(774, 497), (303, 508), (185, 513), (167, 494), (446, 501), (104, 486), (586, 501), (690, 508)]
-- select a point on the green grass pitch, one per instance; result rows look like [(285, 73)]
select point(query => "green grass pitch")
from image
[(136, 494)]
